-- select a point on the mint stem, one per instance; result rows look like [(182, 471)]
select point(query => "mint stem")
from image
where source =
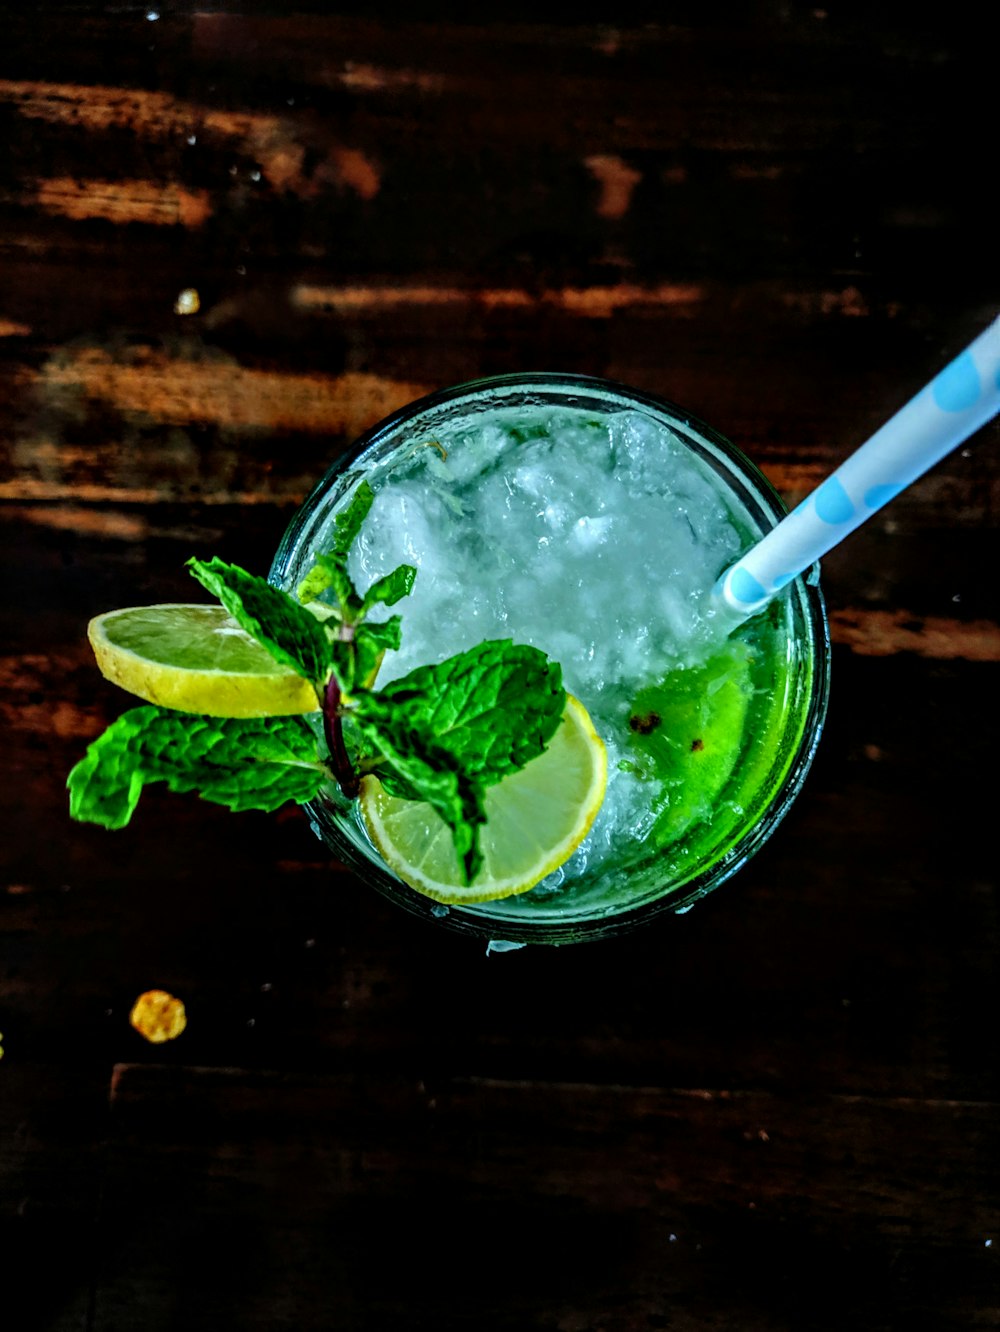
[(333, 730)]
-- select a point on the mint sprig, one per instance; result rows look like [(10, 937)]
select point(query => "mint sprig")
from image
[(358, 642), (443, 734), (329, 573)]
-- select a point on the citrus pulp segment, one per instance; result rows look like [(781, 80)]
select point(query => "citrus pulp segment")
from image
[(535, 820)]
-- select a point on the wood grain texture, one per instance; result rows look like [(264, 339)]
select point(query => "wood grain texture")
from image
[(660, 1207), (776, 1112)]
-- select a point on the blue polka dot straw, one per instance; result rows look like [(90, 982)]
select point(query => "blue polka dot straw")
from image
[(964, 396)]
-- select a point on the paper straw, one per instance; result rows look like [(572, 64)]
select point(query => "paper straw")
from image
[(964, 396)]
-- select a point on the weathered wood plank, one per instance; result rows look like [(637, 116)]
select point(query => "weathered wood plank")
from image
[(630, 1208), (675, 183), (53, 1122), (139, 422)]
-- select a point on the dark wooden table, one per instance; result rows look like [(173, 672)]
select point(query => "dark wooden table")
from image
[(778, 1112)]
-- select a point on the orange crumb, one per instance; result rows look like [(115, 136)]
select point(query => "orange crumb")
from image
[(158, 1016)]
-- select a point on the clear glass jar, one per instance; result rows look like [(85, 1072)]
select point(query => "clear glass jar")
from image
[(791, 638)]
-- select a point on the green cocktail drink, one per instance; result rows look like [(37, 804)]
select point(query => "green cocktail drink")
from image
[(591, 521)]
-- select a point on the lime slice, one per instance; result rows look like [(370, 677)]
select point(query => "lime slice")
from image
[(535, 820), (195, 658), (687, 732)]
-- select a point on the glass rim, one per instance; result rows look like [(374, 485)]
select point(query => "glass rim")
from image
[(475, 921)]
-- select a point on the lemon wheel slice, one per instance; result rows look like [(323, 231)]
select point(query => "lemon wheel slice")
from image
[(195, 658), (535, 820)]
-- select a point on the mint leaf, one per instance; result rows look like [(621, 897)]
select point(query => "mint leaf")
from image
[(330, 572), (330, 569), (244, 763), (492, 708), (349, 521), (383, 634), (390, 589), (370, 642), (291, 634), (420, 770)]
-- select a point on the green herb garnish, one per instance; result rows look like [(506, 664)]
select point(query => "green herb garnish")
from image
[(442, 734)]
